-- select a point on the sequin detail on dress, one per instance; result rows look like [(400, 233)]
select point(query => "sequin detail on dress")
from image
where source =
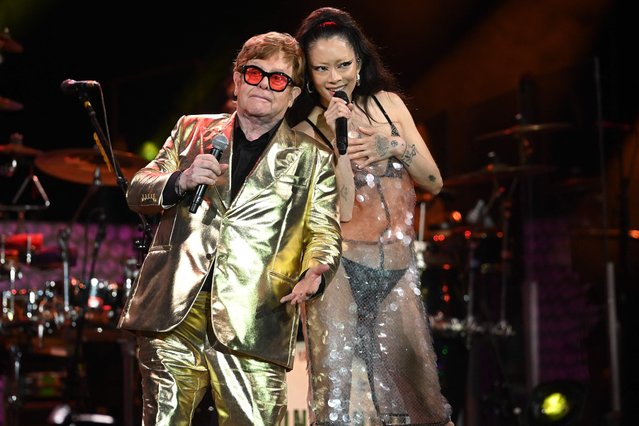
[(370, 352)]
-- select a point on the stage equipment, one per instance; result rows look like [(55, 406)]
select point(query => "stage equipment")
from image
[(79, 165), (522, 130), (556, 403)]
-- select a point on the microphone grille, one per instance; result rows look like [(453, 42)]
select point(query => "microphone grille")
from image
[(342, 95), (220, 142)]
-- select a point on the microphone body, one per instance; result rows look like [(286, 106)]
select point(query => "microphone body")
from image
[(219, 145), (71, 87), (341, 131)]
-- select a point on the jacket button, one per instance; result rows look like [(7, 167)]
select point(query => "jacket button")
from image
[(209, 256)]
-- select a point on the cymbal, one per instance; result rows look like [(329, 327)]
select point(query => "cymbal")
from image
[(575, 185), (7, 104), (20, 208), (8, 44), (495, 171), (632, 234), (17, 149), (78, 165), (519, 130)]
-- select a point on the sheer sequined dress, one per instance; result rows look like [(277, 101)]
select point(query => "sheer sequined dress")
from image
[(370, 354)]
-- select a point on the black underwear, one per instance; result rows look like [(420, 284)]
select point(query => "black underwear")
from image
[(370, 286)]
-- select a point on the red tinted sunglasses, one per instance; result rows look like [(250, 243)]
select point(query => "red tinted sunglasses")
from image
[(277, 81)]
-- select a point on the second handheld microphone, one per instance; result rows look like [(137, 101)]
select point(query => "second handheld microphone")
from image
[(341, 131), (219, 144)]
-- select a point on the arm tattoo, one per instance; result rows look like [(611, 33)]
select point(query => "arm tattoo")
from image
[(408, 155), (381, 145), (343, 192)]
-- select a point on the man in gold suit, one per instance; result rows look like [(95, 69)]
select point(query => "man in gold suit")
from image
[(217, 299)]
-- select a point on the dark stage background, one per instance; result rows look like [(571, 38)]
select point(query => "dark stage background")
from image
[(547, 90)]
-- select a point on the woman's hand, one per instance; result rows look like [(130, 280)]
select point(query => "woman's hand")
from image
[(374, 146), (337, 108)]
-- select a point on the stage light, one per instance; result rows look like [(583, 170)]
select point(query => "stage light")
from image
[(148, 150), (555, 406), (556, 403)]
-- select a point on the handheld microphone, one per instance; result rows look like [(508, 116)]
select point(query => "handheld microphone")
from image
[(219, 145), (70, 87), (341, 132)]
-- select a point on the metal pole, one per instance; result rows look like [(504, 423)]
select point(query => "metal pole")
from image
[(611, 305)]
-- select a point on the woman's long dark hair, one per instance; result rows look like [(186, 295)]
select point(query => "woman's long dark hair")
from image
[(327, 22)]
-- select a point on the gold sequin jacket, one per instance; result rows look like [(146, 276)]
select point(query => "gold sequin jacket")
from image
[(283, 220)]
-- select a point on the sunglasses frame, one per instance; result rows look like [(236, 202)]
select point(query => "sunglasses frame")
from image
[(289, 79)]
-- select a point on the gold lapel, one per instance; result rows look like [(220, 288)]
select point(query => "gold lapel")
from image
[(278, 158), (221, 191)]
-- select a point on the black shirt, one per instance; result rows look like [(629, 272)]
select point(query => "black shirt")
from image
[(245, 155)]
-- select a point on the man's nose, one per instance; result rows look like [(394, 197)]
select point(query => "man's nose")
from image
[(263, 85)]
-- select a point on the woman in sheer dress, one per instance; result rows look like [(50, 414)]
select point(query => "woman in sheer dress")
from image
[(369, 347)]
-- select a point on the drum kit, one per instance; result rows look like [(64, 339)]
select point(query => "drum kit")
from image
[(54, 318), (61, 314), (457, 249), (468, 257)]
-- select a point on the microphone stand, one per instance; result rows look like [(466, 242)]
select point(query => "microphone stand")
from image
[(141, 245), (97, 244), (65, 233), (76, 385)]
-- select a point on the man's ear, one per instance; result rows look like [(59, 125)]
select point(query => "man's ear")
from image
[(295, 92), (237, 79)]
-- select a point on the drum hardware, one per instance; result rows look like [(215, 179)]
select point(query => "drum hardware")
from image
[(499, 193), (84, 163), (494, 172), (35, 314), (131, 272), (501, 197), (65, 233), (121, 166), (39, 314), (11, 265), (7, 104), (12, 392), (50, 257), (523, 130), (8, 44), (18, 151), (84, 302), (478, 235), (16, 148), (24, 241), (97, 241), (116, 162)]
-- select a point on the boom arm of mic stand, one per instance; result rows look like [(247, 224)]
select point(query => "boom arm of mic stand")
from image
[(86, 103), (141, 245)]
